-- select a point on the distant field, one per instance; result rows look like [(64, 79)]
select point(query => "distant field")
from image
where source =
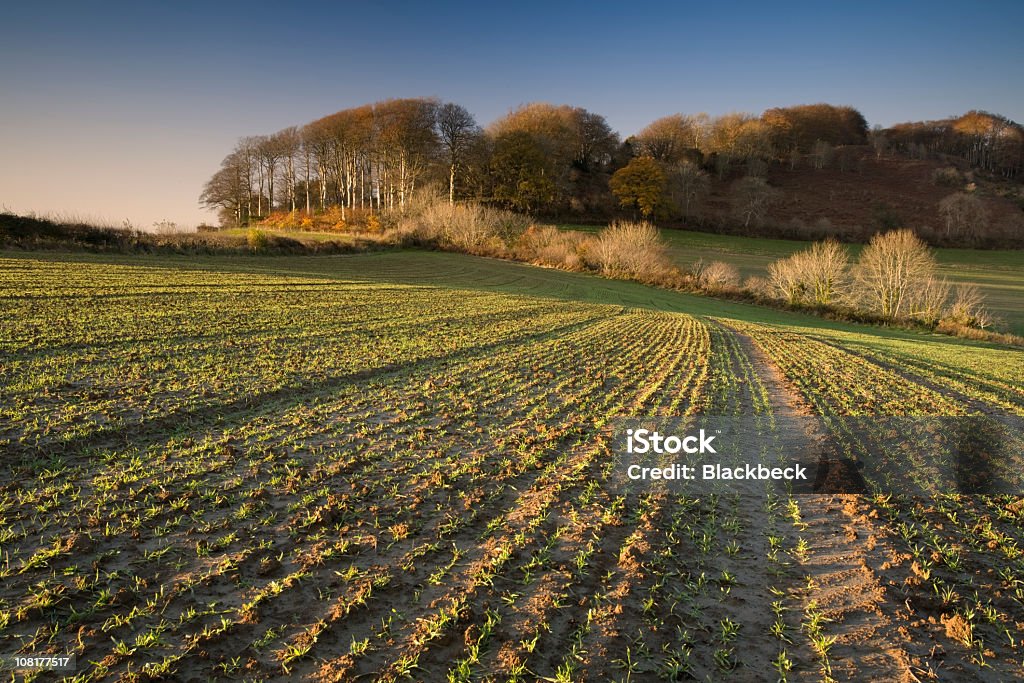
[(999, 274), (398, 465)]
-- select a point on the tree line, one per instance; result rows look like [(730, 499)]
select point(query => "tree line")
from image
[(987, 141), (545, 159)]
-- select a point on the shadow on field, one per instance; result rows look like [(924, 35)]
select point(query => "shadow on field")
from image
[(224, 414)]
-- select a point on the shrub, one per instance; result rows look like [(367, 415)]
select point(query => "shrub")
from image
[(631, 249), (758, 286), (967, 309), (718, 276), (257, 239), (550, 246), (469, 227), (947, 176)]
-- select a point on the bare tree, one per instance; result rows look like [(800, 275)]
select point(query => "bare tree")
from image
[(821, 154), (270, 156), (688, 185), (879, 141), (928, 299), (752, 198), (816, 275), (785, 278), (826, 265), (406, 140), (286, 144), (458, 130), (893, 271), (227, 191), (964, 214)]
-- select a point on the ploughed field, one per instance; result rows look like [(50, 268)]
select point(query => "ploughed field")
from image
[(398, 466)]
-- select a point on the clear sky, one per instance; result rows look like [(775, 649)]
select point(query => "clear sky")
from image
[(122, 110)]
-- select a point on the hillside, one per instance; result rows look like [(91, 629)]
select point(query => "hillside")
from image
[(868, 195)]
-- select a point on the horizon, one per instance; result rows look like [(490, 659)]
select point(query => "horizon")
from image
[(111, 122)]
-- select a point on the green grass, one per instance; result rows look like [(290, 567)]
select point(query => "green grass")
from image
[(310, 455), (999, 274), (449, 271)]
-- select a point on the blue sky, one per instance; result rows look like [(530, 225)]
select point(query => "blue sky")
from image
[(122, 110)]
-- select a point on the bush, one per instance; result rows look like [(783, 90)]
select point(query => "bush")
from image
[(967, 309), (469, 227), (757, 286), (717, 276), (257, 239), (947, 176), (547, 245), (631, 249)]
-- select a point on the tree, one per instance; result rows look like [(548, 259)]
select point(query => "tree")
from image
[(270, 151), (816, 275), (688, 185), (669, 139), (894, 271), (310, 147), (878, 140), (287, 143), (825, 265), (406, 141), (521, 173), (737, 136), (577, 146), (751, 199), (964, 214), (640, 184), (786, 279), (985, 140), (227, 191), (457, 129), (821, 154), (801, 126), (596, 141)]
